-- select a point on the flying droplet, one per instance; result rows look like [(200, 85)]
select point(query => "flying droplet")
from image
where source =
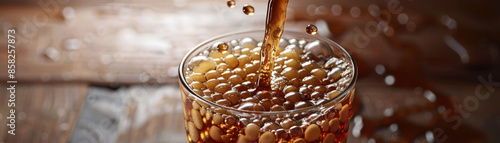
[(248, 9), (311, 29), (222, 47), (231, 3)]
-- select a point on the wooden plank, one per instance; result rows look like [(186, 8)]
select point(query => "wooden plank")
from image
[(45, 113)]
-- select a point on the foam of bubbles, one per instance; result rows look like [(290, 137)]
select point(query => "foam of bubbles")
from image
[(319, 49)]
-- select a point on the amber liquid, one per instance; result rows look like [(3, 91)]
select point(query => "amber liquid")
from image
[(275, 21), (218, 126)]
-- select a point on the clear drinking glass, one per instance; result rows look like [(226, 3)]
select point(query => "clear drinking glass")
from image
[(206, 121)]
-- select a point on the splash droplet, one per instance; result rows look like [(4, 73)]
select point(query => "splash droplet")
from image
[(311, 29), (248, 9), (231, 3)]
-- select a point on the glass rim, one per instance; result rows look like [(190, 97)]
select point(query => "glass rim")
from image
[(340, 96)]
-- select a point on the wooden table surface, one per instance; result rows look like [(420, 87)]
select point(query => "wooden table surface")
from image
[(107, 71)]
